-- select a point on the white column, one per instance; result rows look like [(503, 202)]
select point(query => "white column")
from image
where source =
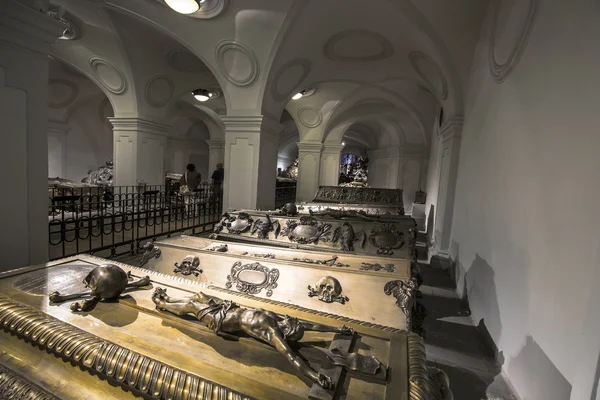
[(309, 168), (57, 149), (216, 155), (330, 164), (139, 151), (250, 161), (27, 36), (449, 152)]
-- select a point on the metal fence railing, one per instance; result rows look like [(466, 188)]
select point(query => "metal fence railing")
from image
[(113, 221), (285, 193)]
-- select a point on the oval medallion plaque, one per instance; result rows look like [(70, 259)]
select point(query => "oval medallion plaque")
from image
[(252, 278)]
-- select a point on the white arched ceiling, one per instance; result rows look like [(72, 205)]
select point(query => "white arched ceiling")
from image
[(236, 47), (387, 50)]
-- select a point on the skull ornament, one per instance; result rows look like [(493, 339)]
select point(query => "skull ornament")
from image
[(329, 290)]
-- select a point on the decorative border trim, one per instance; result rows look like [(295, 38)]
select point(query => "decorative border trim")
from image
[(228, 45), (131, 369), (418, 374), (14, 386), (143, 271), (502, 71)]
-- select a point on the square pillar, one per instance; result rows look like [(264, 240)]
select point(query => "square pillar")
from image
[(449, 152), (216, 155), (139, 150), (330, 164), (27, 37), (250, 162), (57, 149), (309, 170)]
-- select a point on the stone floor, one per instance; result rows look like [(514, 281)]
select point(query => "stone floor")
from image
[(454, 345)]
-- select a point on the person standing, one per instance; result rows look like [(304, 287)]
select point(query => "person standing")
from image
[(188, 183), (217, 180)]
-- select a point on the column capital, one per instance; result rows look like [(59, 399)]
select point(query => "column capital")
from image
[(215, 144), (57, 126), (138, 125), (451, 129), (251, 123), (310, 147), (332, 148), (27, 26)]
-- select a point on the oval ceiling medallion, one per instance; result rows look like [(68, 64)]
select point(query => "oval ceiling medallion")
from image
[(109, 75), (185, 61), (358, 45), (158, 90), (431, 72), (237, 62), (309, 117), (512, 23), (61, 93), (289, 77)]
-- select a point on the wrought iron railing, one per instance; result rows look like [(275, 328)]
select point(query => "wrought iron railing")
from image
[(114, 221), (285, 192)]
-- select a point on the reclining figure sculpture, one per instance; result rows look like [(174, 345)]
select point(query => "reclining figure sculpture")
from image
[(227, 317)]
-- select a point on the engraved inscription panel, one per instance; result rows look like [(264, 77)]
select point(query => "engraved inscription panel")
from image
[(253, 277), (66, 278)]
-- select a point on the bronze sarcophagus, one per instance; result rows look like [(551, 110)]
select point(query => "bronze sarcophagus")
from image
[(374, 290), (364, 236), (162, 337)]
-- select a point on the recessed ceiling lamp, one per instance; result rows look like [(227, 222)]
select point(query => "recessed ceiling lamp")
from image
[(343, 143), (185, 6), (303, 93), (205, 95)]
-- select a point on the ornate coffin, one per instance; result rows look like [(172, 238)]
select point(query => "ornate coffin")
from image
[(366, 236), (129, 348), (343, 284), (359, 195)]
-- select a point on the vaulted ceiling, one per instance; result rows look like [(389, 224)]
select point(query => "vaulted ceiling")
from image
[(379, 70)]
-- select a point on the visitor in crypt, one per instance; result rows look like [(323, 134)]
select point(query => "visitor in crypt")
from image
[(217, 181), (189, 182)]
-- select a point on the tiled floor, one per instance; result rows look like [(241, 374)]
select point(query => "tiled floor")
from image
[(453, 344)]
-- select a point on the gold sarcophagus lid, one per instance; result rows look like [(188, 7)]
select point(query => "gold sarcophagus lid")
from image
[(364, 236), (375, 290), (359, 195), (142, 334)]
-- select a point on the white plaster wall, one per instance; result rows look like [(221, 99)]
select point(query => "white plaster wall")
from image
[(526, 230), (433, 182)]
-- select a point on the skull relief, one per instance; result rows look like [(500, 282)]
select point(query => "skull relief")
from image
[(329, 290)]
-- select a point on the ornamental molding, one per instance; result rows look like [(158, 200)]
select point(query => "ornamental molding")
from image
[(305, 66), (376, 39), (451, 129), (70, 98), (226, 46), (158, 99), (138, 125), (118, 86), (501, 71), (308, 147), (310, 117), (417, 59)]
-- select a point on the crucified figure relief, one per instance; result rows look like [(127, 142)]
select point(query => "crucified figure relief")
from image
[(226, 316)]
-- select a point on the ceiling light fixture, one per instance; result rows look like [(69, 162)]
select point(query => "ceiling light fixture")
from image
[(205, 95), (185, 6), (303, 93), (343, 143)]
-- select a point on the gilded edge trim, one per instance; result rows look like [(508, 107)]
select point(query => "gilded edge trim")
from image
[(418, 374), (131, 369), (151, 273), (14, 386)]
